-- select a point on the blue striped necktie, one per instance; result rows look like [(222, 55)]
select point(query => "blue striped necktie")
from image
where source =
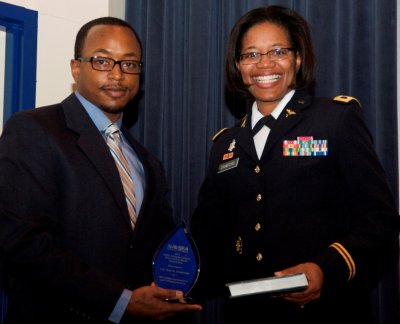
[(113, 138)]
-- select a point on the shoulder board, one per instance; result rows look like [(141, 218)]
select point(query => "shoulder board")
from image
[(215, 137), (346, 99)]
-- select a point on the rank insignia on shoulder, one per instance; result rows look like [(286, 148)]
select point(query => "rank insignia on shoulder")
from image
[(346, 99), (217, 135)]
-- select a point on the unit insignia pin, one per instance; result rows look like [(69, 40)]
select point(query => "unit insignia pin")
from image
[(232, 145), (229, 155), (289, 112)]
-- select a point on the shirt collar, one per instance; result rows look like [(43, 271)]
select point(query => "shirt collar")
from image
[(256, 115), (96, 114)]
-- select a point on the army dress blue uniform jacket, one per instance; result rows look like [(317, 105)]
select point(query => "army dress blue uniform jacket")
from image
[(317, 194)]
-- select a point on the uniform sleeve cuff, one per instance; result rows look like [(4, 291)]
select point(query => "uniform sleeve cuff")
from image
[(337, 264)]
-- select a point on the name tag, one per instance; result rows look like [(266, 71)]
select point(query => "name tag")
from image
[(228, 165)]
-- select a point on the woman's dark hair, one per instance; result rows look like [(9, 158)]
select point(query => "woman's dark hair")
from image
[(109, 21), (299, 36)]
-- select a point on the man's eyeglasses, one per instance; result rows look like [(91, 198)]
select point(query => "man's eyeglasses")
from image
[(276, 54), (107, 64)]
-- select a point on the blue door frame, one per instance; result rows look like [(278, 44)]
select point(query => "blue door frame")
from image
[(20, 73), (21, 52)]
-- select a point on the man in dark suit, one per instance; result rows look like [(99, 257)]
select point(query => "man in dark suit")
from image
[(71, 250)]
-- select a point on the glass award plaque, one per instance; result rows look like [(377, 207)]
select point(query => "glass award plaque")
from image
[(176, 264)]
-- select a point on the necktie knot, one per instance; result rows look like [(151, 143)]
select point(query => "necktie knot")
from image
[(111, 130), (266, 120)]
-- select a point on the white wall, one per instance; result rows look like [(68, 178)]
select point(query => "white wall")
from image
[(58, 23)]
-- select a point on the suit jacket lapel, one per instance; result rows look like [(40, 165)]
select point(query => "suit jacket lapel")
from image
[(93, 145)]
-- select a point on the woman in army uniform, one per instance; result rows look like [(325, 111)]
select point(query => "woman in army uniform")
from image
[(301, 191)]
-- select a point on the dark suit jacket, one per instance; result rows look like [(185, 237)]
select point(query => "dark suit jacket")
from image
[(65, 237), (257, 216)]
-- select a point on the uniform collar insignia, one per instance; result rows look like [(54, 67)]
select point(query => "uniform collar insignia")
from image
[(289, 112), (243, 122)]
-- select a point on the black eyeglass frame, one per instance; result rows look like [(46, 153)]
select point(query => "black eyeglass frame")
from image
[(90, 59), (240, 56)]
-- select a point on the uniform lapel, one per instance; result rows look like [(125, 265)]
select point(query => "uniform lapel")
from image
[(244, 137), (291, 115)]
